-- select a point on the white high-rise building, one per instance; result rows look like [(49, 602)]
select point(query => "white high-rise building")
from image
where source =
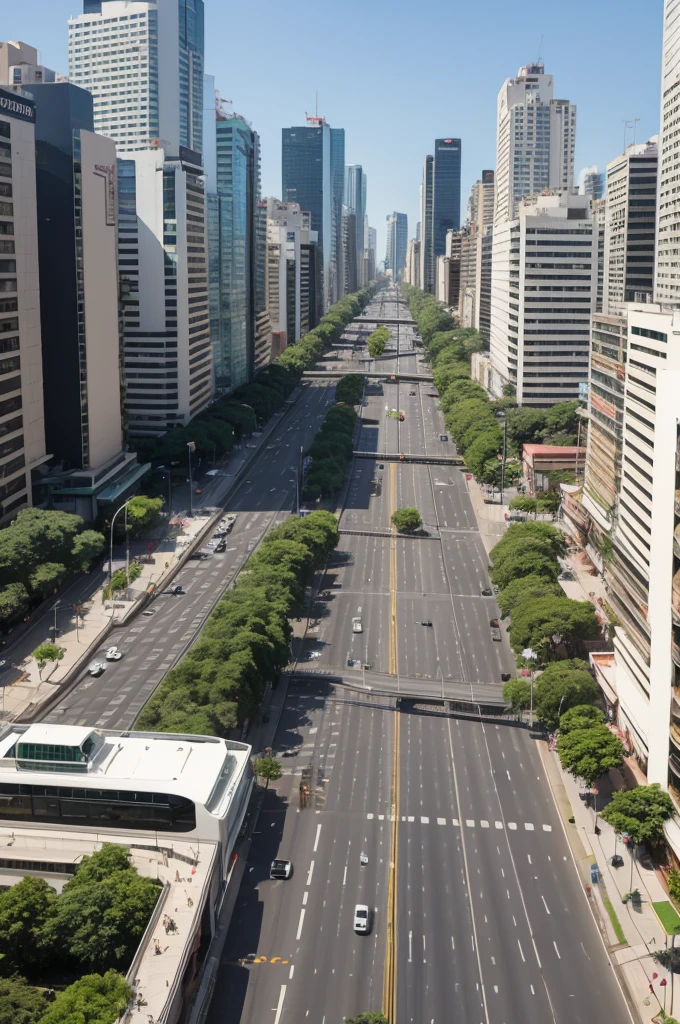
[(535, 140), (544, 281), (142, 60), (289, 288)]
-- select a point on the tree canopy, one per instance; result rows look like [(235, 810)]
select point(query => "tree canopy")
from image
[(24, 910), (20, 1003), (641, 812), (517, 692), (378, 341), (407, 520), (350, 389), (590, 753), (93, 999), (582, 716), (563, 685), (535, 623), (526, 588), (268, 768)]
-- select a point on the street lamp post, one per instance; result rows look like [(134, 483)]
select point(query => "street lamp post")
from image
[(530, 655), (191, 445), (54, 631), (113, 520)]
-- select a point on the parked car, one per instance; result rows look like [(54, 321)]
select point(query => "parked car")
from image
[(282, 869), (487, 592), (495, 627)]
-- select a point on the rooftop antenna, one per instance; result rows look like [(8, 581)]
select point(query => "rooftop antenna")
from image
[(540, 47)]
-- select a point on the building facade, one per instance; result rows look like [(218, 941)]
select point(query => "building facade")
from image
[(141, 45), (350, 264), (313, 174), (544, 276), (412, 272), (163, 265), (535, 140), (594, 184), (479, 223), (355, 202), (22, 423), (291, 271), (446, 166), (630, 227), (427, 259), (397, 242)]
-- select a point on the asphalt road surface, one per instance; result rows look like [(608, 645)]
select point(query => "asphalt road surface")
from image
[(152, 644), (478, 914)]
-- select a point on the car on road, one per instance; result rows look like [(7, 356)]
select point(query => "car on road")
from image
[(281, 869), (202, 553), (443, 437), (251, 446), (487, 592), (176, 591), (412, 393), (495, 627), (270, 447), (505, 677), (356, 625), (95, 668), (221, 547), (426, 622), (231, 518), (114, 654), (362, 919)]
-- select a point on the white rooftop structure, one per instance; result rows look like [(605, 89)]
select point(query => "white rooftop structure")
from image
[(78, 777)]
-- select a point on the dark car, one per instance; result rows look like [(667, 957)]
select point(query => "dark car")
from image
[(176, 591), (505, 677), (426, 622), (221, 547), (487, 592)]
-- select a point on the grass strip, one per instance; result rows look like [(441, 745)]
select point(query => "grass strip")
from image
[(616, 924), (668, 916)]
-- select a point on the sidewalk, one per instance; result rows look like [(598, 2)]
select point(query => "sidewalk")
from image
[(490, 518), (640, 928)]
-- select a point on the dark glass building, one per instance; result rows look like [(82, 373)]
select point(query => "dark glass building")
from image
[(313, 175), (445, 192)]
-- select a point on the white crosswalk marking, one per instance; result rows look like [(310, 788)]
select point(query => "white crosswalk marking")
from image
[(512, 825), (469, 822), (498, 824), (484, 824), (424, 821), (370, 817), (381, 817), (528, 826), (411, 817), (454, 821), (547, 828), (441, 821)]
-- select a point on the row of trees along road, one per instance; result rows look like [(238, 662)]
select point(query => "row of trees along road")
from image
[(88, 931), (378, 341), (245, 643), (330, 453)]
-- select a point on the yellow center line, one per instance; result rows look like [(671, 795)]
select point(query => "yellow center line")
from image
[(392, 667)]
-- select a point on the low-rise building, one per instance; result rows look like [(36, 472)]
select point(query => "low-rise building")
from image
[(540, 459)]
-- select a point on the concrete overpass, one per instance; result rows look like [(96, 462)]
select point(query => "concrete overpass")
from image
[(386, 375), (428, 460)]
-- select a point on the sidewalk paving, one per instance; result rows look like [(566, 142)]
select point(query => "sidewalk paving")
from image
[(490, 518), (642, 929)]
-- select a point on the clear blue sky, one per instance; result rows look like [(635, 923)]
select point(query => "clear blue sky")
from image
[(398, 75)]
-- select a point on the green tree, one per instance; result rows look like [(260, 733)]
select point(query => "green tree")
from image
[(350, 389), (562, 417), (523, 425), (526, 588), (534, 623), (523, 503), (20, 1003), (142, 513), (121, 579), (14, 602), (549, 501), (519, 532), (582, 716), (25, 909), (407, 520), (47, 652), (47, 577), (641, 812), (527, 563), (517, 692), (377, 342), (93, 999), (367, 1018), (98, 922), (484, 447), (87, 546), (563, 685), (267, 768), (590, 753)]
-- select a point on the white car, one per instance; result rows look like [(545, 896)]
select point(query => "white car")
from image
[(281, 869), (114, 654), (96, 668), (356, 625), (362, 919)]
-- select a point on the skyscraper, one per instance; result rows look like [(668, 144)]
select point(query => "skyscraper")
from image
[(593, 184), (427, 260), (445, 192), (397, 242), (355, 201), (313, 172), (535, 140), (238, 190), (140, 45), (142, 60), (479, 223)]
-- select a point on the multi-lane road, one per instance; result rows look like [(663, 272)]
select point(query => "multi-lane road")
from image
[(479, 915)]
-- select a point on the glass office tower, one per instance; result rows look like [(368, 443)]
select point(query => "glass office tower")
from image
[(313, 172), (445, 192)]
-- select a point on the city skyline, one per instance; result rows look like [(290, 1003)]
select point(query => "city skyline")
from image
[(606, 96)]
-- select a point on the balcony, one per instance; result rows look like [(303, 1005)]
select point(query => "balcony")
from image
[(674, 765), (676, 503), (675, 600), (675, 653)]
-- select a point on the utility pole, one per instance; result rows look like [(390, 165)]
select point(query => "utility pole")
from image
[(191, 445)]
